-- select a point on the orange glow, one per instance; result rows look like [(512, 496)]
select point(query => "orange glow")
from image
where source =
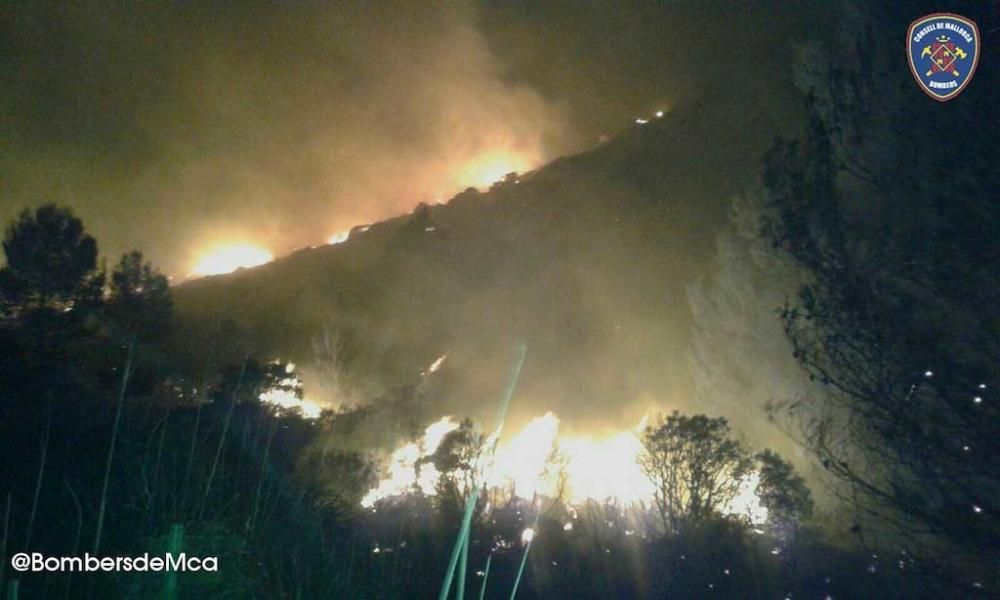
[(487, 169), (226, 259)]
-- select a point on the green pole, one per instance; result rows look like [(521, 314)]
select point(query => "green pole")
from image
[(527, 548), (463, 534), (174, 542), (463, 565), (520, 350)]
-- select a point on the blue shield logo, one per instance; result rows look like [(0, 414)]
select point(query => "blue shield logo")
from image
[(943, 49)]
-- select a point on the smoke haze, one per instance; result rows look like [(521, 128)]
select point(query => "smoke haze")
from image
[(175, 128)]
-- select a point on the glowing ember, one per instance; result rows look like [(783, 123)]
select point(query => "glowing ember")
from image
[(437, 364), (527, 535), (227, 259)]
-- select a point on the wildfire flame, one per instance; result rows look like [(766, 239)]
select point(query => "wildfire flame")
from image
[(403, 475), (747, 502), (605, 468), (226, 259), (487, 169), (338, 238), (285, 397), (597, 468), (521, 461)]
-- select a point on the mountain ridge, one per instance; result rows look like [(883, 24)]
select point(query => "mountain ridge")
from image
[(587, 259)]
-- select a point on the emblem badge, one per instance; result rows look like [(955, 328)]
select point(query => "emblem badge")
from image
[(943, 50)]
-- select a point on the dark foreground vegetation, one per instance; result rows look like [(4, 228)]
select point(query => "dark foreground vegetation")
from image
[(112, 451)]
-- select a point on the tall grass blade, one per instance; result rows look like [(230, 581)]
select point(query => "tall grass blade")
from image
[(174, 549), (41, 476), (524, 559), (3, 544), (486, 576), (225, 431), (111, 448)]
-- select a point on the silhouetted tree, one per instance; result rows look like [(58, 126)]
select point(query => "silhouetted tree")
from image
[(246, 382), (339, 479), (456, 459), (695, 466), (782, 491), (49, 256), (140, 299), (899, 320), (12, 293)]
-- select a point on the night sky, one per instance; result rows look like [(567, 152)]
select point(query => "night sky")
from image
[(173, 129)]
